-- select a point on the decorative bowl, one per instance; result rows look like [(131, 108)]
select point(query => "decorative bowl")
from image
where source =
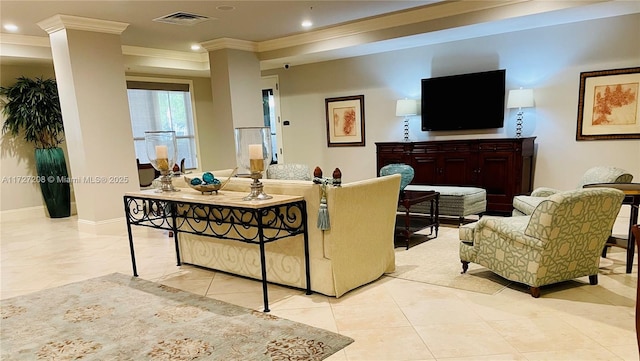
[(210, 187), (205, 188)]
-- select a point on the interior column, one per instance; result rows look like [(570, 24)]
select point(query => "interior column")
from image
[(237, 102), (89, 67)]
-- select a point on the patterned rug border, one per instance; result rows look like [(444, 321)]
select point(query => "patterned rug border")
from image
[(127, 318)]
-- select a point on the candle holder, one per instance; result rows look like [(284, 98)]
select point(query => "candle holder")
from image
[(253, 154), (161, 150)]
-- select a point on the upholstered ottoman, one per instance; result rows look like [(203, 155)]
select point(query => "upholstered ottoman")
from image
[(454, 201)]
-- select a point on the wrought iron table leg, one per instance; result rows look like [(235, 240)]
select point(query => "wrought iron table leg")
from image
[(133, 255), (174, 226), (306, 247), (263, 264)]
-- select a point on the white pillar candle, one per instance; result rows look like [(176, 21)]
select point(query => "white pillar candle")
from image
[(255, 151), (162, 152)]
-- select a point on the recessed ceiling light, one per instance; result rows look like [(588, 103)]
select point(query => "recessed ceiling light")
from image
[(196, 47), (11, 27), (306, 23), (225, 7)]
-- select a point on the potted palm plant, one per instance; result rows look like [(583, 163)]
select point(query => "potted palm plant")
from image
[(32, 109)]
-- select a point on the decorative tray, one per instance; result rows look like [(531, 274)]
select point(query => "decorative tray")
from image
[(208, 183)]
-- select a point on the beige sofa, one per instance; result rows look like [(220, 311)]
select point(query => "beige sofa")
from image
[(356, 250)]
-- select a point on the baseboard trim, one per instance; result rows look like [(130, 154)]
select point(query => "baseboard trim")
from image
[(13, 215), (113, 226)]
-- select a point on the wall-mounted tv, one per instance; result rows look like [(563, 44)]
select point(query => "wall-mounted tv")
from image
[(464, 101)]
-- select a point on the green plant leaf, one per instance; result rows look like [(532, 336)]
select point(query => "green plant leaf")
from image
[(32, 108)]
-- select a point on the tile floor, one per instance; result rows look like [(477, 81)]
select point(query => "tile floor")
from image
[(390, 319)]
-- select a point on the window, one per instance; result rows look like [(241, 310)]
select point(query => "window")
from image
[(162, 106)]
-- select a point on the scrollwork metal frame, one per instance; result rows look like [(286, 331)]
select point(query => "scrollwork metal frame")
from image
[(249, 225)]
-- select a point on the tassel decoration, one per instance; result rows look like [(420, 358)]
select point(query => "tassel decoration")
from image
[(323, 212)]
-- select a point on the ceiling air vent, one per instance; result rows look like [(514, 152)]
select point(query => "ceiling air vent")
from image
[(182, 18)]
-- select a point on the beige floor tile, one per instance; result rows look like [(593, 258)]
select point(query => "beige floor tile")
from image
[(510, 305), (367, 316), (626, 352), (189, 279), (338, 356), (385, 344), (425, 312), (297, 301), (321, 317), (542, 334), (463, 339), (406, 292), (500, 357), (610, 326), (591, 354), (374, 292)]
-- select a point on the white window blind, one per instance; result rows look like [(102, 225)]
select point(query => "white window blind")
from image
[(162, 106)]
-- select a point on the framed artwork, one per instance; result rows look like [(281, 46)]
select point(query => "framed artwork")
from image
[(345, 121), (608, 106)]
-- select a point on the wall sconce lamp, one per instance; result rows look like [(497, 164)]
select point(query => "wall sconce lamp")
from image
[(520, 98), (406, 108)]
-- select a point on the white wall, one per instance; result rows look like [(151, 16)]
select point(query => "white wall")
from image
[(17, 158), (549, 60)]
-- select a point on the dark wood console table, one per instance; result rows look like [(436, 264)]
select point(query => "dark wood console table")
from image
[(224, 215), (502, 166), (409, 223)]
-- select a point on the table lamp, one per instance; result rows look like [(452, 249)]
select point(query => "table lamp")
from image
[(520, 98), (406, 108)]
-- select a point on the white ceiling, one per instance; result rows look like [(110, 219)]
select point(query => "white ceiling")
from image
[(273, 30)]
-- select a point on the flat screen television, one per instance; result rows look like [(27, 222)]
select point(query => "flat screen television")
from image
[(464, 101)]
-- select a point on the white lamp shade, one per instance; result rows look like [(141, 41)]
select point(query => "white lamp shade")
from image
[(520, 98), (406, 107)]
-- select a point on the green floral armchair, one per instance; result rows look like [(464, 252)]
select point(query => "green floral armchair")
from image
[(561, 240), (524, 205)]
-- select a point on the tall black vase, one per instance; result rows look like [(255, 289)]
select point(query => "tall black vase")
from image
[(54, 181)]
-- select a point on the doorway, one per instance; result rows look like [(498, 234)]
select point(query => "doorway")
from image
[(271, 113)]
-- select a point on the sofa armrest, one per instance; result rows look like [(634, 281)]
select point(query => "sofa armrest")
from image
[(544, 192), (360, 240)]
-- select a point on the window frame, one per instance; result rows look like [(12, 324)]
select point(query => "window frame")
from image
[(193, 106)]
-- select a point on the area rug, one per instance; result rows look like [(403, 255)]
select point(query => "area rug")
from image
[(118, 317), (437, 261)]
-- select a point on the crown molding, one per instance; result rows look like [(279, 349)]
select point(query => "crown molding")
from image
[(383, 22), (25, 40), (229, 43), (164, 54), (60, 21)]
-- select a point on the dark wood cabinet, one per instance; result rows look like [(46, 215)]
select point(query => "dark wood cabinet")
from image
[(504, 167)]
